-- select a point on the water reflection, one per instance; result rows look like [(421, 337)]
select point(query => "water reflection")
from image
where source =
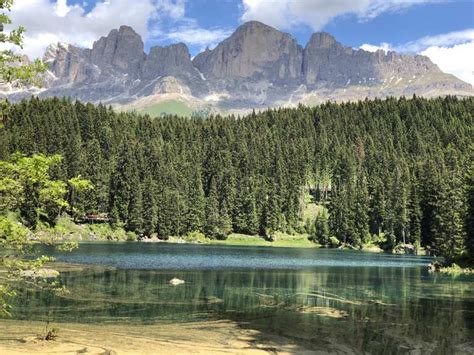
[(379, 310)]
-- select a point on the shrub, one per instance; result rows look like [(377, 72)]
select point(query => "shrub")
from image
[(196, 237), (334, 242)]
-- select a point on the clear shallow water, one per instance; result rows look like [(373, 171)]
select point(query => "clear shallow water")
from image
[(389, 303), (186, 256)]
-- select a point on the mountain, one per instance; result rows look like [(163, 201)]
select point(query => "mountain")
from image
[(256, 51), (257, 66)]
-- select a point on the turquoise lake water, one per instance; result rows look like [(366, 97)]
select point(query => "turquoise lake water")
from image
[(383, 303)]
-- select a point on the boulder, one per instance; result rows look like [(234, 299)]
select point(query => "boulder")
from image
[(405, 249), (175, 281)]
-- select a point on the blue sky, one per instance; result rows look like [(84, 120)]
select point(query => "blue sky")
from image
[(397, 27), (441, 29)]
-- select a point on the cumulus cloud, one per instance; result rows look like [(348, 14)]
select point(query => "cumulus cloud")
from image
[(446, 39), (373, 48), (285, 14), (195, 35), (452, 52), (456, 60), (49, 21)]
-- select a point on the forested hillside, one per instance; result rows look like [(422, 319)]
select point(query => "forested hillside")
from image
[(393, 171)]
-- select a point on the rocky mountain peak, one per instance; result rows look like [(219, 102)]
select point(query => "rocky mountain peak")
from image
[(121, 50), (172, 60), (254, 50), (256, 65), (253, 27), (322, 40)]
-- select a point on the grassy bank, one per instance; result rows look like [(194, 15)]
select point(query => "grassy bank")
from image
[(455, 270), (169, 107), (281, 240), (67, 230)]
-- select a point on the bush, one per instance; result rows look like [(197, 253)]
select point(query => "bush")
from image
[(334, 242), (131, 237), (196, 237)]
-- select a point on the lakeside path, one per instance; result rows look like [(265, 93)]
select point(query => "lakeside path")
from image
[(210, 337)]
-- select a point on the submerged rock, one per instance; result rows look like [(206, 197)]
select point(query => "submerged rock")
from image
[(40, 273), (325, 312), (405, 249), (212, 299), (175, 281), (435, 266)]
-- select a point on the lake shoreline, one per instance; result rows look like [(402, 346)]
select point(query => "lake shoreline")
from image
[(238, 300), (240, 240)]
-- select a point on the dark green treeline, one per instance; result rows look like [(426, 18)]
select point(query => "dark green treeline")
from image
[(401, 168)]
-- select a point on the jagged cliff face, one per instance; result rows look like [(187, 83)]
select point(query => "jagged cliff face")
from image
[(171, 60), (120, 51), (254, 51), (256, 66), (326, 61)]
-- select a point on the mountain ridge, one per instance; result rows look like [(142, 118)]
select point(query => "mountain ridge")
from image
[(256, 66)]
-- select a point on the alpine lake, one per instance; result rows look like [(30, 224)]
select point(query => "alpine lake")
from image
[(323, 300)]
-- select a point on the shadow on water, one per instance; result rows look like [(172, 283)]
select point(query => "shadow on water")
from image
[(364, 308)]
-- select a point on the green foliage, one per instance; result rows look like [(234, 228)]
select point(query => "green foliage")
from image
[(456, 270), (196, 237), (11, 64), (70, 233), (334, 242), (29, 199), (321, 229), (14, 268), (391, 168), (26, 187), (168, 107), (469, 216), (78, 188)]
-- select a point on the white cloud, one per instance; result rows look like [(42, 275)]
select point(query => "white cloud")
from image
[(374, 8), (373, 48), (453, 52), (174, 9), (61, 8), (47, 22), (179, 28), (456, 60), (447, 39), (56, 21), (192, 34), (285, 14)]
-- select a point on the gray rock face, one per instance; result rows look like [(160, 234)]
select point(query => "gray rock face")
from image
[(327, 61), (121, 50), (172, 60), (70, 64), (257, 66), (254, 50)]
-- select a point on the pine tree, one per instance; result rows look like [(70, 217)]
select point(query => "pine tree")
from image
[(414, 215), (149, 207), (361, 212), (469, 216), (211, 228), (385, 167), (134, 221), (449, 211), (195, 204), (321, 228)]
